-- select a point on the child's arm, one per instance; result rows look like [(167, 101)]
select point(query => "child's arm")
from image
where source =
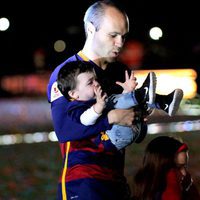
[(90, 116), (130, 82)]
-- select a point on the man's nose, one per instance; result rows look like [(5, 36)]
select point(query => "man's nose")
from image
[(119, 41)]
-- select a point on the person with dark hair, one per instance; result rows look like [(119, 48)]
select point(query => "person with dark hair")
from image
[(164, 174), (101, 175)]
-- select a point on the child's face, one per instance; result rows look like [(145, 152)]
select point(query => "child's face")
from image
[(86, 82), (182, 161), (182, 158)]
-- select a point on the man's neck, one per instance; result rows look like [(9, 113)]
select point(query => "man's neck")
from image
[(91, 56)]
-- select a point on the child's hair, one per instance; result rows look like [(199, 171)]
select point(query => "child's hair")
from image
[(67, 76)]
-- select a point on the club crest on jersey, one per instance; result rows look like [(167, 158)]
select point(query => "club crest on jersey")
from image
[(104, 136), (55, 92)]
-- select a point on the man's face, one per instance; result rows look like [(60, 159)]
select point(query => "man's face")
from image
[(109, 39)]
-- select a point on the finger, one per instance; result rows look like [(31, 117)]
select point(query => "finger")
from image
[(104, 96), (119, 83), (132, 76), (99, 89), (126, 75), (95, 90)]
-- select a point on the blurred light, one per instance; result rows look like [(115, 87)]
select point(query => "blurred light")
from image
[(191, 106), (73, 30), (59, 46), (19, 138), (179, 127), (154, 128), (52, 136), (28, 138), (170, 79), (39, 58), (155, 33), (183, 126), (132, 54), (4, 24), (7, 139), (25, 84), (188, 126), (39, 137)]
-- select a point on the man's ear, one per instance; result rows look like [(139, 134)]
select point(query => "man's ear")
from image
[(90, 28), (73, 94)]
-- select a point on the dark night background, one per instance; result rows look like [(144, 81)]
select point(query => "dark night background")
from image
[(38, 24)]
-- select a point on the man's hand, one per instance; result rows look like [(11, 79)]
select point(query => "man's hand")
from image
[(125, 117), (121, 117)]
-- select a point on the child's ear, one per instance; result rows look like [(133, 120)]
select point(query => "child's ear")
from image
[(73, 94)]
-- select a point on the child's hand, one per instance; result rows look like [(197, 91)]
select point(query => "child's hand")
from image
[(130, 82), (100, 98)]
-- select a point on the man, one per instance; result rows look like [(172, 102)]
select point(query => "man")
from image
[(94, 172)]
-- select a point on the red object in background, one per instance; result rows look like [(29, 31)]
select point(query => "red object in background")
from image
[(25, 85), (132, 54), (39, 59)]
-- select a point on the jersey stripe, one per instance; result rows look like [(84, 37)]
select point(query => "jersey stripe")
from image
[(64, 195), (80, 53)]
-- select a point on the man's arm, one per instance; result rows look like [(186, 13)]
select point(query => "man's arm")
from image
[(121, 117), (69, 130)]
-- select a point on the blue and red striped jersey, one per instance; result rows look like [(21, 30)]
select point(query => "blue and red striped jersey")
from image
[(86, 150)]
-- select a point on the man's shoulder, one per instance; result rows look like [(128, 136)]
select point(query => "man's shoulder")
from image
[(69, 59)]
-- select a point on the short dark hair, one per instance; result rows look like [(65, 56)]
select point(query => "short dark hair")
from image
[(67, 75)]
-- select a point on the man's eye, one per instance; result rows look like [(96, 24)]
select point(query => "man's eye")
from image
[(113, 35)]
